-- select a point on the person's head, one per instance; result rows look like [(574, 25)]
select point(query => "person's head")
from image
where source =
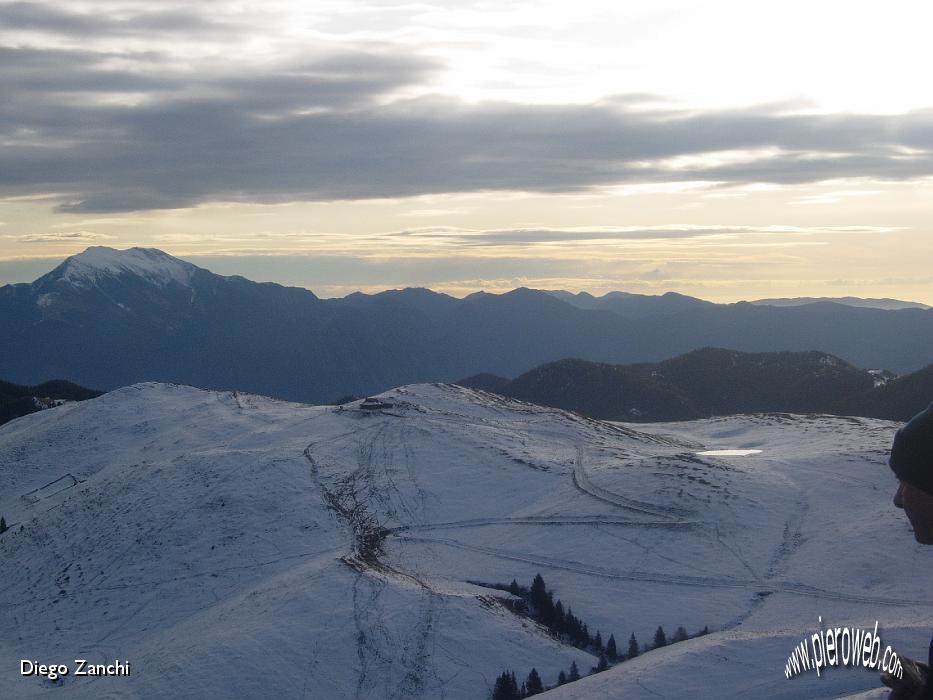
[(912, 462), (918, 505)]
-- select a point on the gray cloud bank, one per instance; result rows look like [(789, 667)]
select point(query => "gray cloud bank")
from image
[(120, 131), (124, 19)]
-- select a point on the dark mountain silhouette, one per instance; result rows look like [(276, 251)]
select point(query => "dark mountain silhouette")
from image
[(484, 382), (699, 384), (889, 304), (642, 305), (418, 299), (107, 318), (898, 399), (17, 400), (713, 381), (635, 306)]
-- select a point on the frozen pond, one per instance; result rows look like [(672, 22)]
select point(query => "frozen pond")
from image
[(729, 453)]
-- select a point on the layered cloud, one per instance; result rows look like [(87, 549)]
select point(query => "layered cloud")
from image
[(131, 122), (64, 237), (108, 20)]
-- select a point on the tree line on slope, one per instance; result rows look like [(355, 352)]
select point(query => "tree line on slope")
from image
[(538, 603)]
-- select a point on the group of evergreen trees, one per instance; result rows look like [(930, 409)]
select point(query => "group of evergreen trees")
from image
[(507, 687), (538, 603)]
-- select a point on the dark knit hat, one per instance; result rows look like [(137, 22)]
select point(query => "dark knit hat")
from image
[(912, 451)]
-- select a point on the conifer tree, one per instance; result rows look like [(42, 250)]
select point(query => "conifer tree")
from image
[(573, 630), (680, 635), (3, 527), (542, 600), (598, 642), (660, 639), (538, 592), (561, 678), (583, 635), (632, 647), (501, 690), (533, 685), (506, 688), (611, 652), (574, 672), (547, 610), (560, 618), (514, 589)]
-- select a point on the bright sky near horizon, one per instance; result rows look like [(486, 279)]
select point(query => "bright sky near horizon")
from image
[(725, 149)]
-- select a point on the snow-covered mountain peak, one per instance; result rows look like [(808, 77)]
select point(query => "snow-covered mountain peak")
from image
[(148, 263)]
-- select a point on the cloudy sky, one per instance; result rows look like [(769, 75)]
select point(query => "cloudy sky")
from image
[(726, 149)]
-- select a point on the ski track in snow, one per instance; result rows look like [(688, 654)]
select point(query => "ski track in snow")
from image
[(377, 650), (582, 481), (586, 520), (756, 585)]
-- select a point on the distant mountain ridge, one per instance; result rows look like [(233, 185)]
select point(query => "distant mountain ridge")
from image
[(109, 318), (714, 382), (635, 306), (887, 304), (640, 305)]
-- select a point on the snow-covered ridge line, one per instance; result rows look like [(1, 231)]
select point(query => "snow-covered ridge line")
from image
[(148, 263)]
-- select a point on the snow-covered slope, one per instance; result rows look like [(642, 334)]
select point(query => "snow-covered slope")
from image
[(233, 546), (148, 263)]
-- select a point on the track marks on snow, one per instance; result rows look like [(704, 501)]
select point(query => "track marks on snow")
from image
[(582, 481), (751, 584), (583, 520)]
